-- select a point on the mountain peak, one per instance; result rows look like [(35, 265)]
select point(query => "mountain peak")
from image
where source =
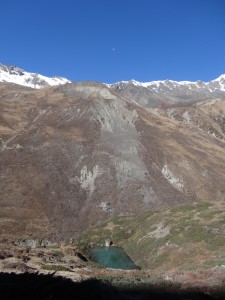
[(16, 75), (221, 77)]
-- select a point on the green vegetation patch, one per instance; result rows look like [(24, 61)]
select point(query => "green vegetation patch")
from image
[(182, 208), (55, 268), (203, 205), (208, 214), (160, 259), (58, 254)]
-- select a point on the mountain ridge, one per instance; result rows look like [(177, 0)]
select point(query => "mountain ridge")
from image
[(14, 74), (157, 82)]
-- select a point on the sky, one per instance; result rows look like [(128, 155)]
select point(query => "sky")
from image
[(114, 40)]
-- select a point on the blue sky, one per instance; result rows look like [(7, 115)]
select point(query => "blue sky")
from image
[(113, 40)]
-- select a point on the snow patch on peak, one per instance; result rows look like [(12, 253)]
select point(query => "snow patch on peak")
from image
[(219, 83)]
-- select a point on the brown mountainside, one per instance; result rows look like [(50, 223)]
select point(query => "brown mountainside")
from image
[(75, 155)]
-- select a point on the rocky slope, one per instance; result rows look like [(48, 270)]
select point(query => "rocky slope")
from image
[(167, 92), (16, 75), (75, 155)]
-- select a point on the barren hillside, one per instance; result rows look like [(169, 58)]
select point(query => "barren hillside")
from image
[(75, 155)]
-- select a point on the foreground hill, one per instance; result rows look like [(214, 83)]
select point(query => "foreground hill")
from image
[(75, 155)]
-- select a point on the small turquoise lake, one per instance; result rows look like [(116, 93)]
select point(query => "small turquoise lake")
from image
[(112, 257)]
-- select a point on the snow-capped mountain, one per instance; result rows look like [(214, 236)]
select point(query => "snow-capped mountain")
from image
[(154, 93), (148, 94), (16, 75), (160, 85)]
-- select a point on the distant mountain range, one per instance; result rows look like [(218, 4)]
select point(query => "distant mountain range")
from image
[(148, 94), (167, 92)]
